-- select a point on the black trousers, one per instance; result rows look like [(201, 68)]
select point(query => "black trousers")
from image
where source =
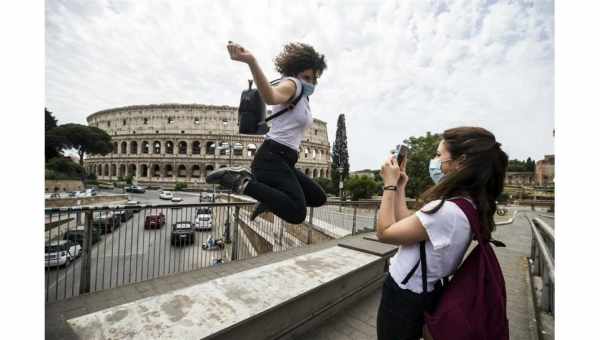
[(400, 314), (281, 187)]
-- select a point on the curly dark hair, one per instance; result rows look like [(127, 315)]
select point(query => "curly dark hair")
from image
[(297, 57)]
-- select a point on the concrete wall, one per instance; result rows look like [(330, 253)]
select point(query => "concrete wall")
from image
[(93, 200), (52, 185)]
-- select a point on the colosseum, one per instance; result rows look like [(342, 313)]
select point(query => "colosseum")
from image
[(160, 145)]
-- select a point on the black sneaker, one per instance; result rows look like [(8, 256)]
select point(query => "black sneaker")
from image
[(230, 178), (259, 209)]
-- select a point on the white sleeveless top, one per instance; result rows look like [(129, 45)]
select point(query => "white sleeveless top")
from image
[(288, 129), (449, 237)]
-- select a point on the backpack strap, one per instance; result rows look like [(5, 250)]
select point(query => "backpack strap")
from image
[(279, 113), (423, 260)]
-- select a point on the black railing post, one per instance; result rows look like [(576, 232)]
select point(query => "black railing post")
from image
[(310, 225), (86, 262), (235, 243), (354, 221)]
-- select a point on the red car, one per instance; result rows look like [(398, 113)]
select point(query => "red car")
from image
[(154, 221)]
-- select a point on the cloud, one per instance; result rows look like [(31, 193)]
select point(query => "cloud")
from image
[(396, 68)]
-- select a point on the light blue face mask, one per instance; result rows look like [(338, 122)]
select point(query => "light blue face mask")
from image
[(308, 88), (435, 170)]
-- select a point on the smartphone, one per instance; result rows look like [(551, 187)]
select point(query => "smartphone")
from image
[(401, 153)]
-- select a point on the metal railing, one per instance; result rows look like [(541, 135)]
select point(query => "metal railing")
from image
[(108, 247), (541, 262)]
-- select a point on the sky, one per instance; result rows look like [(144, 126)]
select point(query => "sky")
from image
[(395, 68)]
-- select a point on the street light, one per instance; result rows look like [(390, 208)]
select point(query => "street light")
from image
[(341, 171)]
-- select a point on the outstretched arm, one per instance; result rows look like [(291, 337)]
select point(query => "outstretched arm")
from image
[(272, 95)]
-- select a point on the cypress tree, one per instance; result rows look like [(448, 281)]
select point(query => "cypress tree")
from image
[(339, 153)]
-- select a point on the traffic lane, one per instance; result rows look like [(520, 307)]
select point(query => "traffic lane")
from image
[(131, 253)]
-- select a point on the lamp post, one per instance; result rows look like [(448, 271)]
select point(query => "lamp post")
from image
[(341, 186)]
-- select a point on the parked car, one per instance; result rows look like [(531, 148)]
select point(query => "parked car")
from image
[(165, 195), (203, 221), (61, 253), (182, 233), (76, 235), (133, 203), (207, 197), (106, 222), (176, 199), (135, 189), (91, 192), (124, 214), (154, 221)]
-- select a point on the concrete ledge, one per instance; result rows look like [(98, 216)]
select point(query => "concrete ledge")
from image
[(261, 303), (369, 246)]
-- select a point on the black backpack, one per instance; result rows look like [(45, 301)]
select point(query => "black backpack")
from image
[(252, 111)]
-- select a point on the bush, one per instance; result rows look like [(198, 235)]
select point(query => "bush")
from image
[(180, 186), (327, 185), (129, 180), (360, 187), (63, 168)]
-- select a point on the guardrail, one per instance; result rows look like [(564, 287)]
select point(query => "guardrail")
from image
[(107, 247), (541, 262)]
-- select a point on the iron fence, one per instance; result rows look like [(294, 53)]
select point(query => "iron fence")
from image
[(95, 248)]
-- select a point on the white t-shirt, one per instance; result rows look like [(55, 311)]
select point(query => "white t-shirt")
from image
[(288, 129), (449, 237)]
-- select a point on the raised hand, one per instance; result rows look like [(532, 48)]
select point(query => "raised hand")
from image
[(238, 53)]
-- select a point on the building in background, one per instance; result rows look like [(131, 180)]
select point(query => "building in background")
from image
[(544, 171), (160, 145)]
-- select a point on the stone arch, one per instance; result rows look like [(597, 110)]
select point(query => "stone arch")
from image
[(315, 174), (122, 170), (305, 152), (181, 171), (238, 149), (123, 147), (133, 148), (145, 147), (131, 170), (251, 149), (144, 170), (168, 170), (106, 173), (115, 148), (169, 147), (321, 173), (113, 170), (156, 147), (182, 148), (210, 148), (307, 172), (208, 169), (327, 173), (196, 171), (222, 166), (196, 147), (155, 171)]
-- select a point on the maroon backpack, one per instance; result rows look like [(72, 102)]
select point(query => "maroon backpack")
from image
[(473, 304)]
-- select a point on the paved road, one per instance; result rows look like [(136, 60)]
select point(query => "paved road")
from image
[(131, 253)]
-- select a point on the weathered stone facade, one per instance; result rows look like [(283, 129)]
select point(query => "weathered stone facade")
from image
[(544, 171), (168, 143)]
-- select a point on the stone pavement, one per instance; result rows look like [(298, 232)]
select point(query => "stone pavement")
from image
[(360, 321)]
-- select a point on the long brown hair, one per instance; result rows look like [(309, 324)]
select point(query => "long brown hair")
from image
[(480, 175), (297, 57)]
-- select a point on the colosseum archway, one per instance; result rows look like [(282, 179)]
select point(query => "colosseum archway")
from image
[(145, 147), (156, 147), (168, 170), (133, 148), (124, 148), (182, 148), (144, 170), (168, 147), (155, 171), (181, 171), (131, 170), (196, 171), (196, 148)]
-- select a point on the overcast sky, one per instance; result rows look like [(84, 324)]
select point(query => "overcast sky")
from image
[(395, 68)]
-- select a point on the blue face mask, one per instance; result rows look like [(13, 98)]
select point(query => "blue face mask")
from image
[(308, 88), (435, 170)]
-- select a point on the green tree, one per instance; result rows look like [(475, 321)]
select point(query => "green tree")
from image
[(361, 187), (421, 151), (327, 185), (515, 165), (53, 143), (530, 164), (84, 139), (339, 154), (63, 168)]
